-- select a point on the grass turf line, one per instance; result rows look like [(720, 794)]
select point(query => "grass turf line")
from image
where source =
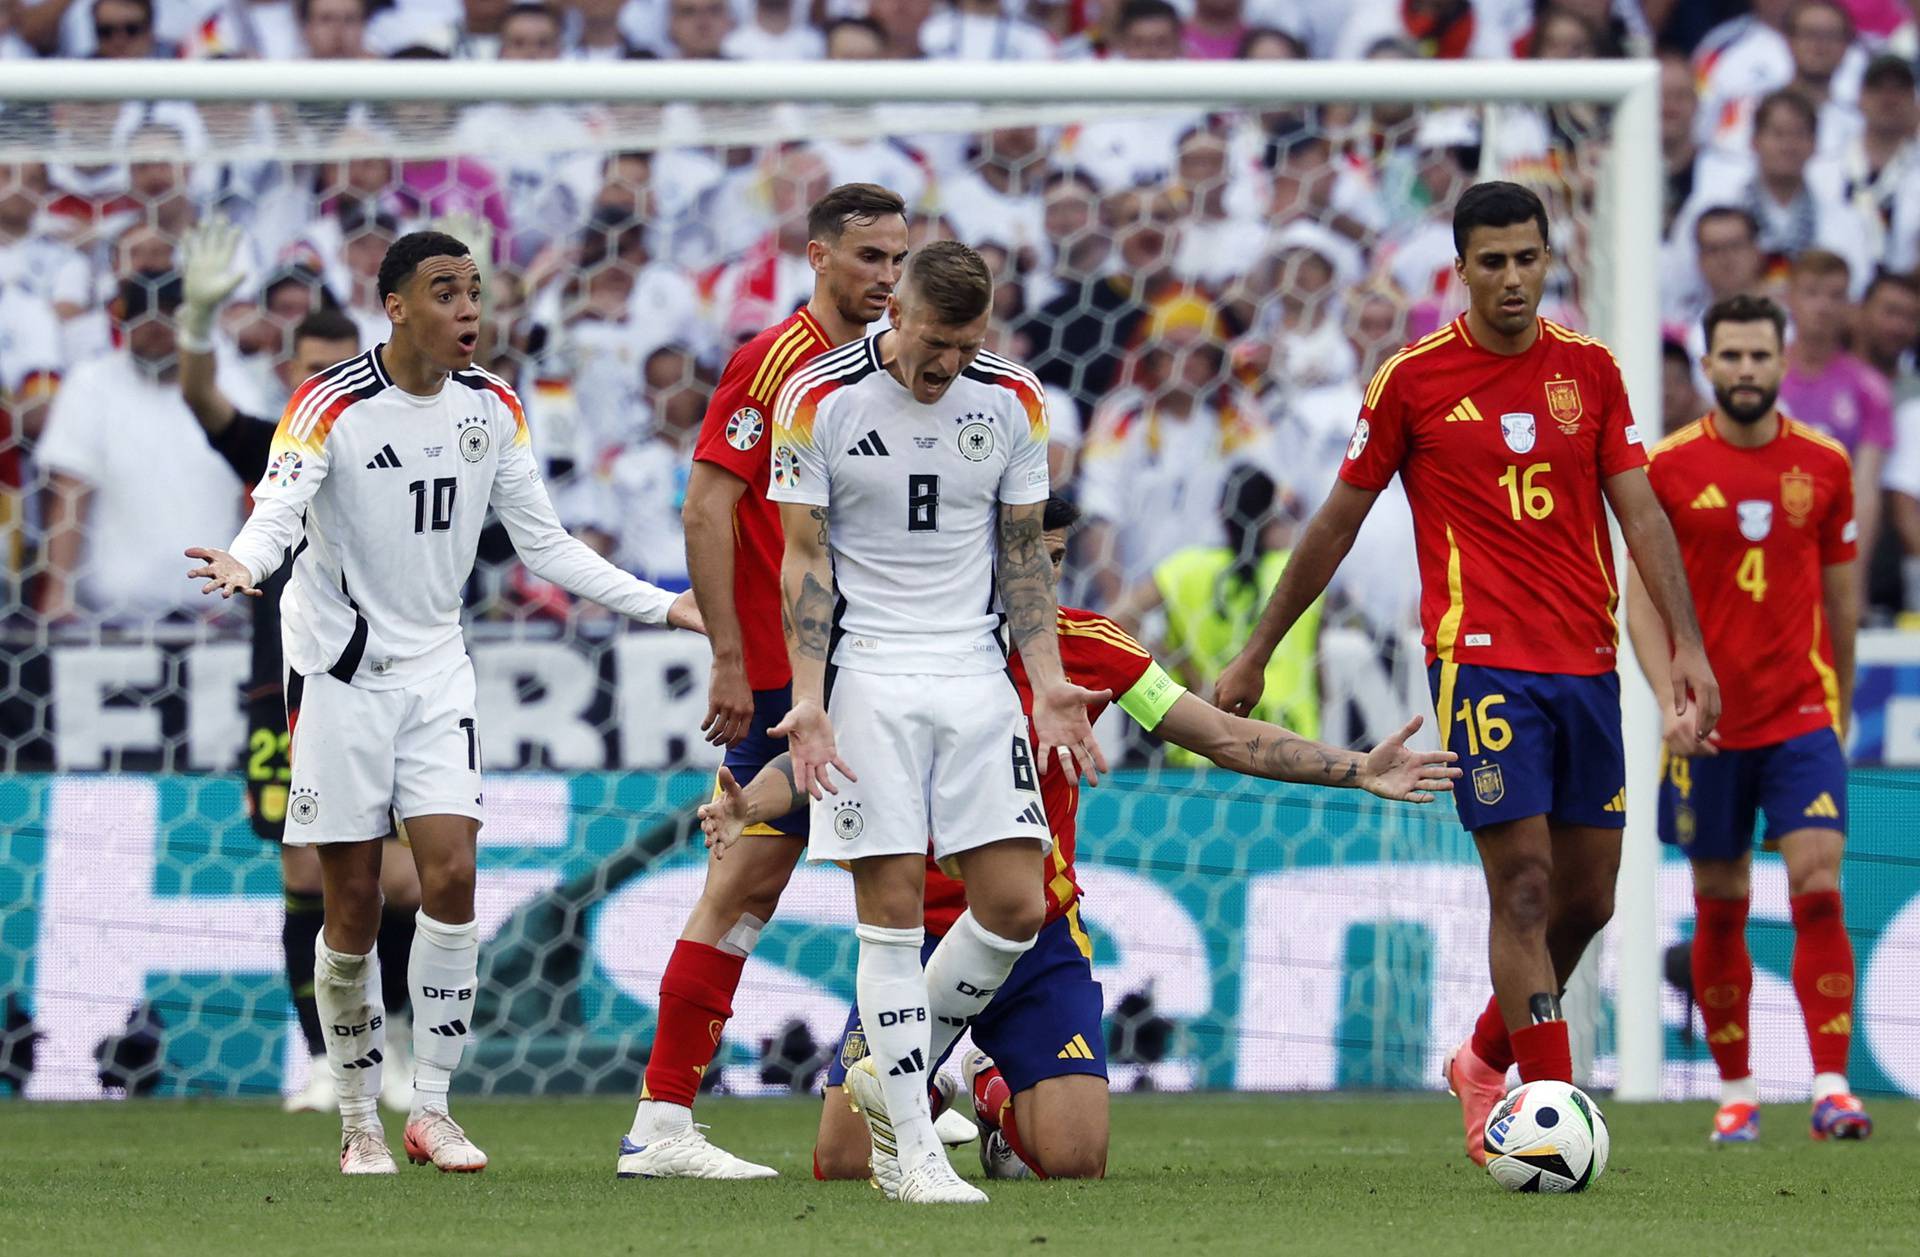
[(1371, 1175)]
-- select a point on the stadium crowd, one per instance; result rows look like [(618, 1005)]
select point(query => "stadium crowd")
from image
[(1205, 295)]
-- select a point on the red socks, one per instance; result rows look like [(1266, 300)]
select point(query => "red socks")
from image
[(1491, 1042), (1542, 1052), (993, 1104), (1723, 981), (696, 998), (1823, 978)]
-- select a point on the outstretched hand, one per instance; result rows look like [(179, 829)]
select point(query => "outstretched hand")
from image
[(724, 819), (1395, 771), (1061, 728), (222, 572), (809, 734)]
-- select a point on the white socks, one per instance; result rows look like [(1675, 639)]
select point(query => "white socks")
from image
[(965, 970), (1739, 1090), (654, 1118), (892, 990), (346, 991), (443, 970), (1825, 1085)]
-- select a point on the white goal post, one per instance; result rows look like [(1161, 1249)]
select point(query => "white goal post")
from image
[(1624, 309)]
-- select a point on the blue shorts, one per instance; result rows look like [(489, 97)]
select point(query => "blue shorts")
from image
[(1043, 1022), (1708, 803), (1532, 744), (760, 748)]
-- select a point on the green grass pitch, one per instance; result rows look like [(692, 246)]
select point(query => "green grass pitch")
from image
[(1360, 1176)]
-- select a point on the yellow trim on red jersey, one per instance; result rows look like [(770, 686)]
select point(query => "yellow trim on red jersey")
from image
[(1568, 336), (1685, 436), (1443, 706), (781, 355), (1078, 931), (1103, 630), (1796, 428), (1613, 597), (1432, 340), (1829, 680), (1448, 630)]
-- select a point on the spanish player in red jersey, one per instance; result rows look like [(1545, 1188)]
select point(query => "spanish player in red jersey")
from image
[(856, 243), (1508, 431), (1039, 1086), (1763, 508)]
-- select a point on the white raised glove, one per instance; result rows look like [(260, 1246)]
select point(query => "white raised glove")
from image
[(208, 276)]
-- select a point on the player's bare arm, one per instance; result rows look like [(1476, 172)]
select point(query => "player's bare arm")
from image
[(770, 795), (1679, 731), (806, 620), (1328, 537), (1656, 556), (1257, 748), (1026, 591), (707, 517), (1840, 595), (224, 574)]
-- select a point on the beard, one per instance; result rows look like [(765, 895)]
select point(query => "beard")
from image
[(1746, 413)]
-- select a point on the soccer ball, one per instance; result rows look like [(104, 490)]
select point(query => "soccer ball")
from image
[(1547, 1137)]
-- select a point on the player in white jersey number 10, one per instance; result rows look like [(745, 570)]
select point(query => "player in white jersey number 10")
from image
[(380, 476), (911, 469)]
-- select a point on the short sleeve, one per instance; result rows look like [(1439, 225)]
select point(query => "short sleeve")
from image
[(75, 439), (1379, 442), (1024, 481), (1621, 445), (1839, 533), (799, 464), (733, 436)]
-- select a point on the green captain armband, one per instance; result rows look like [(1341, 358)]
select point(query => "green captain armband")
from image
[(1151, 697)]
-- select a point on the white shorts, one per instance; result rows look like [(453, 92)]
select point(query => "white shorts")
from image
[(937, 756), (361, 757)]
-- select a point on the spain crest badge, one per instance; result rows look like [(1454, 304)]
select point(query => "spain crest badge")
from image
[(1796, 496), (1563, 404)]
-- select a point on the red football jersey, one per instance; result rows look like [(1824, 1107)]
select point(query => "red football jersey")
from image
[(1756, 528), (1503, 459), (1098, 655), (734, 436)]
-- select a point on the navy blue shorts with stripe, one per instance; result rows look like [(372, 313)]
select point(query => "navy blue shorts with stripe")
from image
[(1532, 744), (1709, 804), (760, 748), (1043, 1022)]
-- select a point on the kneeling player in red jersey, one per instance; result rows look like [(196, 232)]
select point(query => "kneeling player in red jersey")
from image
[(1763, 507), (1039, 1085)]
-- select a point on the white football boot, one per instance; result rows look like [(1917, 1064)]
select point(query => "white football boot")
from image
[(318, 1096), (363, 1150), (998, 1158), (434, 1138), (684, 1153), (867, 1099), (935, 1182), (952, 1125)]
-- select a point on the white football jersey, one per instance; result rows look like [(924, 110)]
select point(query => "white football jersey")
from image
[(382, 494), (913, 495)]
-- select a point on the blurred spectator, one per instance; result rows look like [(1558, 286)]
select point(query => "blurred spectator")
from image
[(1297, 336), (131, 484), (529, 32), (902, 21), (766, 236), (480, 23), (1158, 452), (30, 369), (1883, 161), (1678, 151), (1214, 245), (1828, 388), (855, 39), (1726, 247), (1443, 29), (12, 46), (983, 30), (1680, 401), (31, 261), (123, 30), (698, 28), (598, 36), (334, 29), (998, 196), (777, 32), (1135, 152), (1888, 334), (1216, 30), (1147, 30), (1818, 36), (1741, 59), (644, 483), (1211, 596)]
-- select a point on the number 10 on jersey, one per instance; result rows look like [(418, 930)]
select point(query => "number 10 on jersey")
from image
[(442, 491)]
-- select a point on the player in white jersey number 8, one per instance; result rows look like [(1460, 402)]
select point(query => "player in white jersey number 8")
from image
[(911, 469), (382, 470)]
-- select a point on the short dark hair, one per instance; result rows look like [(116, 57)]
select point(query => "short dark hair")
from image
[(1135, 11), (1253, 35), (1734, 213), (1793, 15), (1675, 353), (866, 24), (1791, 101), (1496, 203), (531, 8), (952, 279), (1819, 263), (1908, 284), (405, 255), (303, 8), (1744, 308), (1060, 513), (1889, 70), (326, 323), (850, 203)]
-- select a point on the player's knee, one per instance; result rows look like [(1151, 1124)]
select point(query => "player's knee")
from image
[(1589, 913), (1081, 1161), (839, 1162), (446, 893), (1522, 897), (1813, 881)]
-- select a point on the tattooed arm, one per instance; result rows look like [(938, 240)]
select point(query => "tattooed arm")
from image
[(806, 618), (1256, 748), (1060, 722), (769, 796)]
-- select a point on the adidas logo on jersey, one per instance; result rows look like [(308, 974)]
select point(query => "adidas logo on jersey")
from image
[(1076, 1050), (385, 458), (915, 1062), (1465, 412), (1710, 499), (1729, 1033), (1843, 1024), (1823, 807), (870, 444), (451, 1030), (1033, 815)]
